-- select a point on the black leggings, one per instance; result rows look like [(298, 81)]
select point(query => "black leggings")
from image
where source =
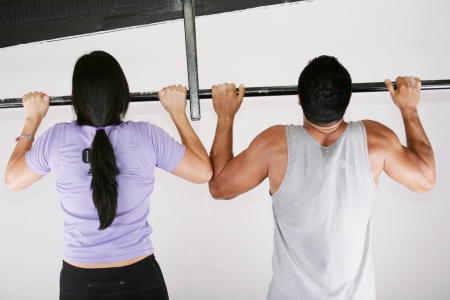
[(141, 280)]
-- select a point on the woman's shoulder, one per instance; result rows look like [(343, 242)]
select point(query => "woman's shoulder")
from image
[(66, 124), (133, 123), (144, 126), (145, 129), (60, 127)]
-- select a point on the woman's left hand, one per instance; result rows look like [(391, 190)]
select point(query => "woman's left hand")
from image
[(173, 98), (36, 106)]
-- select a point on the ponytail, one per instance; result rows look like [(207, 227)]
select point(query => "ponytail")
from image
[(104, 182), (100, 97)]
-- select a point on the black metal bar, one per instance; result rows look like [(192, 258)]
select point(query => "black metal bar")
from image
[(191, 56), (249, 92)]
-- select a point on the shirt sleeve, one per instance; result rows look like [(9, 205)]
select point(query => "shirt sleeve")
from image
[(169, 153), (38, 158)]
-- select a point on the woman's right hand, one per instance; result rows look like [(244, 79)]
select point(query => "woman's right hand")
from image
[(173, 99), (36, 105)]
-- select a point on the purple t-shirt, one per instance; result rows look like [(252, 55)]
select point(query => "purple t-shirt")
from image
[(139, 147)]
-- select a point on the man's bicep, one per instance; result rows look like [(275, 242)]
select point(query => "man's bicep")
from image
[(243, 173), (402, 164), (249, 169)]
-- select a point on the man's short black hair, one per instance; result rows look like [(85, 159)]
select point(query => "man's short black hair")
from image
[(325, 88)]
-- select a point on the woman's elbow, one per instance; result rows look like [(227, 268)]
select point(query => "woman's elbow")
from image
[(11, 184), (203, 176), (206, 175)]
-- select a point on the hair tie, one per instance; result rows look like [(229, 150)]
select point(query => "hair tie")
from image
[(99, 128)]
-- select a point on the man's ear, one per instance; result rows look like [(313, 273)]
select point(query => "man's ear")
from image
[(298, 97)]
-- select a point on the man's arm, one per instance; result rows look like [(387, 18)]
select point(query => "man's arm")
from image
[(236, 175), (414, 165)]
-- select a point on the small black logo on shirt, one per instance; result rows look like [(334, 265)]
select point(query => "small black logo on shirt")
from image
[(86, 155)]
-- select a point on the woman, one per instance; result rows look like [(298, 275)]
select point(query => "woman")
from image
[(103, 169)]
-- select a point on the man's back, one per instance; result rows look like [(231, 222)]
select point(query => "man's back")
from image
[(322, 210), (322, 219)]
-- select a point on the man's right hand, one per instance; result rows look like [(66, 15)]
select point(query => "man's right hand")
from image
[(225, 101), (407, 94)]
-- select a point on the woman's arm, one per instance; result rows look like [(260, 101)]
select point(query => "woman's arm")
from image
[(195, 166), (18, 175)]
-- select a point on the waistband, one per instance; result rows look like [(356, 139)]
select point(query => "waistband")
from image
[(145, 263)]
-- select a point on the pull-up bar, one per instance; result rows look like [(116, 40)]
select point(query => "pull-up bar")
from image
[(194, 94), (249, 92)]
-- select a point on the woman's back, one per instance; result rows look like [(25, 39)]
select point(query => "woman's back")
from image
[(103, 169), (139, 147)]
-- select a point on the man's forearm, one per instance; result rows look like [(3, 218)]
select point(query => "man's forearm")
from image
[(222, 148), (416, 138)]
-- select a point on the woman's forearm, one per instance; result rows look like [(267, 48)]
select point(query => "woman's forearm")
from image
[(189, 138), (17, 177), (23, 145)]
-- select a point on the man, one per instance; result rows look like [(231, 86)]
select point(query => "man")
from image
[(323, 179)]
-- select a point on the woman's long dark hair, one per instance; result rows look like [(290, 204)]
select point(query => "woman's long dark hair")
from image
[(100, 97)]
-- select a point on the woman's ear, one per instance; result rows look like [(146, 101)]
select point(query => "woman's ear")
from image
[(298, 97)]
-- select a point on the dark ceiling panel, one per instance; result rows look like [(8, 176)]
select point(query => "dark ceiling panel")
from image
[(26, 21)]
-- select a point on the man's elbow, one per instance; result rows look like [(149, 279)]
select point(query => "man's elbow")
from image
[(429, 184), (214, 190), (425, 185), (430, 179), (217, 192)]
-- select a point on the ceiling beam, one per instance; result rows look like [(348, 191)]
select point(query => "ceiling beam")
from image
[(25, 21)]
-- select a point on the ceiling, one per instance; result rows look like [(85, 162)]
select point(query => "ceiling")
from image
[(27, 21)]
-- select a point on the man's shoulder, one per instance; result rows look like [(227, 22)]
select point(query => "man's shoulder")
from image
[(374, 127), (270, 140), (273, 133), (275, 129), (378, 134)]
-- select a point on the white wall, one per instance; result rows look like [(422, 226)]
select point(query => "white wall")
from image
[(222, 249)]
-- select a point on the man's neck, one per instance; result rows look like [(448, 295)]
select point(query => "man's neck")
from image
[(325, 135)]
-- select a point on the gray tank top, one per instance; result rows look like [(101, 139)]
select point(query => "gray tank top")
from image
[(322, 219)]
